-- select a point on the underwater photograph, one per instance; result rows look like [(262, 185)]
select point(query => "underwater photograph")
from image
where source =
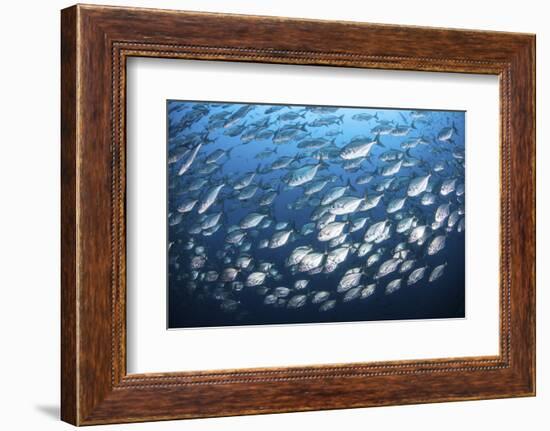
[(295, 214)]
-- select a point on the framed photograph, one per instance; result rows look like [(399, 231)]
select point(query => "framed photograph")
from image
[(266, 215)]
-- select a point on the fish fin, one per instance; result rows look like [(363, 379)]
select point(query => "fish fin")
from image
[(412, 125), (341, 118), (377, 139), (403, 117)]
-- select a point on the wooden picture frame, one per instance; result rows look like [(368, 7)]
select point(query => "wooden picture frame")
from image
[(96, 41)]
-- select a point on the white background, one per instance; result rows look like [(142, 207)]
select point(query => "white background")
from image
[(151, 348), (29, 220)]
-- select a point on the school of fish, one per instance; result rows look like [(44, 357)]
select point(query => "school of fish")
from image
[(271, 199)]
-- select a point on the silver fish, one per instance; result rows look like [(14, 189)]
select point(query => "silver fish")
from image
[(351, 278), (333, 194), (352, 294), (405, 224), (280, 238), (345, 205), (417, 233), (235, 237), (358, 148), (197, 262), (297, 301), (320, 297), (406, 266), (301, 175), (375, 231), (437, 244), (244, 181), (437, 272), (388, 267), (418, 185), (270, 299), (255, 279), (209, 198), (247, 192), (268, 198), (187, 205), (391, 169), (428, 199), (395, 205), (335, 258), (357, 224), (211, 220), (307, 229), (392, 286), (297, 255), (416, 275), (364, 249), (370, 203), (447, 187), (197, 184), (446, 133), (251, 220), (229, 274), (327, 305), (331, 230), (339, 240), (282, 292), (368, 291), (311, 261), (315, 187), (189, 160), (442, 212), (453, 219), (300, 284)]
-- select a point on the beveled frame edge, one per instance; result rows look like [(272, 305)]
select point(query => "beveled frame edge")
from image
[(96, 41)]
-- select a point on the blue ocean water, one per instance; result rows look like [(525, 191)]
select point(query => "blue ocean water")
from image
[(222, 145)]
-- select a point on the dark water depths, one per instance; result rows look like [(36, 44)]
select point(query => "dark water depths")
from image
[(193, 301)]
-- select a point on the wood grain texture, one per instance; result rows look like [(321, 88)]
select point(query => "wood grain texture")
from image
[(96, 42)]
